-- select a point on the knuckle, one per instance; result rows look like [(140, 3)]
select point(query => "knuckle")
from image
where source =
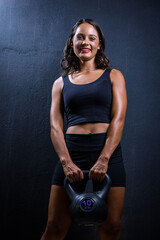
[(69, 175), (79, 171)]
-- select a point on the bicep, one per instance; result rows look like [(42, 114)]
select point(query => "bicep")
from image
[(57, 108), (119, 99)]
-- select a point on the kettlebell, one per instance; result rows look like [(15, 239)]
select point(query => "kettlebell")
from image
[(88, 207)]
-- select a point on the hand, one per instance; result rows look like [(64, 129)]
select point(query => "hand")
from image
[(72, 172), (98, 171)]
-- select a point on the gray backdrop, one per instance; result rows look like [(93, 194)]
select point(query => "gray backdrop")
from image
[(32, 37)]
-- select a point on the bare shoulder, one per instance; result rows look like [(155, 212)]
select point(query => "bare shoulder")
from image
[(116, 77), (58, 84)]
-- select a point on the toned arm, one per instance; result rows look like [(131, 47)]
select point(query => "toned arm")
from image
[(114, 132), (118, 113), (57, 121), (72, 172)]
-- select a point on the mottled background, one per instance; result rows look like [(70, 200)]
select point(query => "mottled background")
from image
[(32, 38)]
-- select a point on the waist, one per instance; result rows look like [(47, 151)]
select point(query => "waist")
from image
[(88, 128), (86, 142)]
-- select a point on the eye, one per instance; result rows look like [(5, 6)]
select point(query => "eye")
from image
[(79, 37), (92, 39)]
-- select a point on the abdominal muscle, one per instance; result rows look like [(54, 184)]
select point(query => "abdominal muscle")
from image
[(88, 128)]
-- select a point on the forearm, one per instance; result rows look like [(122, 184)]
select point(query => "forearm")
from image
[(114, 135), (57, 137)]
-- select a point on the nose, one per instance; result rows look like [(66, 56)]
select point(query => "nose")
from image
[(85, 41)]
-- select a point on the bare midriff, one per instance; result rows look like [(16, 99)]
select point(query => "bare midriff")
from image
[(88, 128)]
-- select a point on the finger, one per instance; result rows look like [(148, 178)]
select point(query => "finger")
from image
[(97, 176), (75, 176), (78, 175), (101, 176), (91, 173), (70, 179), (81, 175), (94, 175), (72, 176)]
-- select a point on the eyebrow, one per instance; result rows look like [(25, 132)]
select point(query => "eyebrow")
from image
[(89, 34)]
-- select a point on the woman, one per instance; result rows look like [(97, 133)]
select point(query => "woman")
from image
[(93, 96)]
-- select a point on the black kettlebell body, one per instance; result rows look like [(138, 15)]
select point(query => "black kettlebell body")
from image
[(88, 208)]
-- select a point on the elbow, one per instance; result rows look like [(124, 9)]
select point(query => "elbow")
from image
[(52, 129), (118, 120), (121, 121), (118, 123), (55, 129)]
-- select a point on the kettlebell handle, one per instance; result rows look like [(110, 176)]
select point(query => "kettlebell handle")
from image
[(67, 185), (102, 193), (106, 184)]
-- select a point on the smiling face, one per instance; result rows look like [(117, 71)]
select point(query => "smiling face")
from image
[(86, 42)]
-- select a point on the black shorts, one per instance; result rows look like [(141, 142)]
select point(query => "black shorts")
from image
[(84, 150)]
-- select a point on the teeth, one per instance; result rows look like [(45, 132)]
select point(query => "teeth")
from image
[(85, 49)]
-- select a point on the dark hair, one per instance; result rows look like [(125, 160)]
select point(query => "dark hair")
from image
[(72, 61)]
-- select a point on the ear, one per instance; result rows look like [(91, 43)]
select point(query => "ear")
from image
[(99, 44)]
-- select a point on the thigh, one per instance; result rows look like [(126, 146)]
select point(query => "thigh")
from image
[(115, 204), (58, 210)]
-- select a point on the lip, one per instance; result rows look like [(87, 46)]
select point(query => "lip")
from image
[(85, 51), (85, 48)]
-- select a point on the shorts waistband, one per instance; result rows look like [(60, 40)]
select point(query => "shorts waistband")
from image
[(84, 135), (85, 142)]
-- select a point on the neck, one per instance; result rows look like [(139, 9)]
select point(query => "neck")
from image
[(87, 66)]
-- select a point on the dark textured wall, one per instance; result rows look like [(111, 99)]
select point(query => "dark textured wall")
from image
[(32, 37)]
